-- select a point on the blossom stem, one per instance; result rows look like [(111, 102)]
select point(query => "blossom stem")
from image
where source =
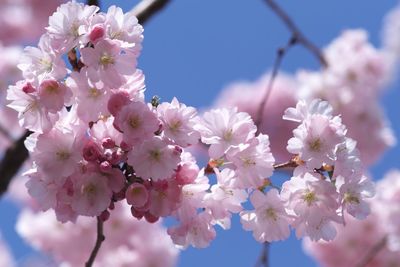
[(288, 164), (99, 241), (280, 53), (372, 252), (263, 260), (301, 39), (147, 8)]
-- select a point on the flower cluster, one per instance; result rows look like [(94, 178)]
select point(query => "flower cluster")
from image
[(376, 238), (96, 142)]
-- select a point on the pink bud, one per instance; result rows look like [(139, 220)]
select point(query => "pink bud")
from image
[(28, 88), (137, 195), (105, 166), (150, 217), (108, 143), (117, 101), (137, 214), (96, 33), (91, 151), (125, 146)]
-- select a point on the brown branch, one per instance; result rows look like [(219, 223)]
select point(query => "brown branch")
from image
[(288, 164), (372, 252), (100, 238), (93, 3), (12, 161), (73, 60), (147, 8), (301, 39), (280, 53), (263, 259)]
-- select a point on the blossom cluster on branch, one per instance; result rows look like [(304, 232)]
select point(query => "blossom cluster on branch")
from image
[(97, 143)]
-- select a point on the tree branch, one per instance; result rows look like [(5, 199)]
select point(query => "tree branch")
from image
[(288, 164), (99, 240), (280, 53), (372, 252), (12, 161), (93, 3), (301, 39), (147, 8), (263, 259), (5, 133)]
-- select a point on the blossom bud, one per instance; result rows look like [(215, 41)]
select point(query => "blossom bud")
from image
[(108, 143), (28, 88), (96, 33), (117, 101), (91, 151), (105, 167), (150, 218)]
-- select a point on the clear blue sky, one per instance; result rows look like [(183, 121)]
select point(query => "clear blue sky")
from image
[(193, 48)]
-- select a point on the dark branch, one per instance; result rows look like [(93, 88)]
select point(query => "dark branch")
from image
[(372, 252), (280, 53), (5, 133), (263, 259), (73, 60), (301, 39), (99, 240), (147, 8), (12, 161), (93, 3)]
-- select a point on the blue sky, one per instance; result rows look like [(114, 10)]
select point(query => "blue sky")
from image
[(193, 48)]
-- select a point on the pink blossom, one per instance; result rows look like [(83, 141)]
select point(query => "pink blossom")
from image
[(197, 232), (137, 195), (124, 27), (254, 163), (53, 95), (178, 123), (154, 159), (42, 62), (92, 194), (223, 129), (137, 122), (67, 23), (106, 59), (57, 152), (269, 221)]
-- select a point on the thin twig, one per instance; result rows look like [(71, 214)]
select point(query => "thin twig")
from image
[(288, 164), (280, 53), (296, 32), (263, 259), (372, 252), (147, 8), (100, 238), (12, 161)]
